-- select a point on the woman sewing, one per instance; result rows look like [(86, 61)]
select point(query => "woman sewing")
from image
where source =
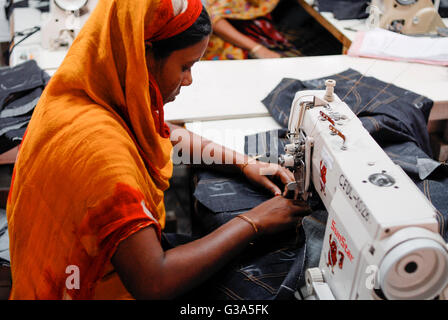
[(85, 210)]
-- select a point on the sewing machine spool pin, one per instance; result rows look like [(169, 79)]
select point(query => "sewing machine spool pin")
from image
[(329, 93)]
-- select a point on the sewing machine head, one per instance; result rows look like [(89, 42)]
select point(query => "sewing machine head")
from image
[(410, 17), (381, 239), (65, 20)]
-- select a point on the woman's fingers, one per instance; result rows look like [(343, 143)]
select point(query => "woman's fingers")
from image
[(285, 175), (268, 184)]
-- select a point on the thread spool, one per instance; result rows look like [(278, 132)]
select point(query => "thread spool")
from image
[(329, 84)]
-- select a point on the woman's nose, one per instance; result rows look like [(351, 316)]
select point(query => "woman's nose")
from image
[(188, 79)]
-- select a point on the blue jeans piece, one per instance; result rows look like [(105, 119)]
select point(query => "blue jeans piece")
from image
[(10, 5)]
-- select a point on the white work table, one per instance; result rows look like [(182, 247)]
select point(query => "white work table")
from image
[(343, 30)]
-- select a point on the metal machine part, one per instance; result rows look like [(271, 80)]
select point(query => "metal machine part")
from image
[(411, 17), (406, 2), (65, 20), (70, 5)]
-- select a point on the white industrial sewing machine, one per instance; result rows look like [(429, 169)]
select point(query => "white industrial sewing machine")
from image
[(410, 17), (381, 239), (64, 22)]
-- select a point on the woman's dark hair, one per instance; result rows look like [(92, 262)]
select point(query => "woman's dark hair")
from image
[(201, 28)]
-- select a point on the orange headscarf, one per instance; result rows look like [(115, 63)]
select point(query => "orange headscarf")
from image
[(95, 160)]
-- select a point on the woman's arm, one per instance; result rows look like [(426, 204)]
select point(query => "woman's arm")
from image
[(150, 273), (198, 150), (227, 32)]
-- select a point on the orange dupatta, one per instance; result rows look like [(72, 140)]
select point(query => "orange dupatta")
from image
[(95, 159)]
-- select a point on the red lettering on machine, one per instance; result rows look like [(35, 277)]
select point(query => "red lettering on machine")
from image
[(341, 239)]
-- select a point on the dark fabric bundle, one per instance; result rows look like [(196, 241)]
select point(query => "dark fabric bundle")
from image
[(443, 9), (20, 89), (43, 5), (344, 9)]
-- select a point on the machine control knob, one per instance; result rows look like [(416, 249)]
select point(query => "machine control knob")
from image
[(290, 148), (287, 161)]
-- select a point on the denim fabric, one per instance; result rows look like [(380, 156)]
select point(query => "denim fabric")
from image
[(4, 239), (20, 89), (396, 118), (412, 160), (44, 6), (220, 193), (268, 269), (20, 78)]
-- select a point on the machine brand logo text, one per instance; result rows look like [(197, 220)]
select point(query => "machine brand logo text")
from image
[(342, 241), (354, 198)]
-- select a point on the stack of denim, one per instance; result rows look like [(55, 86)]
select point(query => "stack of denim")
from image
[(20, 89)]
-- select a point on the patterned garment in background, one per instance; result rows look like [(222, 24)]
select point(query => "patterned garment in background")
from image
[(253, 19)]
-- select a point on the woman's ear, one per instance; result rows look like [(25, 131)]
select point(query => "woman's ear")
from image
[(149, 57)]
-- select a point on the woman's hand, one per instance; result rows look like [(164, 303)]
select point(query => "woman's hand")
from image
[(277, 214), (261, 174), (264, 53)]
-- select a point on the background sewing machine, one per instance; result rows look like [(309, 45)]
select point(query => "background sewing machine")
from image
[(64, 22), (381, 239), (410, 17)]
